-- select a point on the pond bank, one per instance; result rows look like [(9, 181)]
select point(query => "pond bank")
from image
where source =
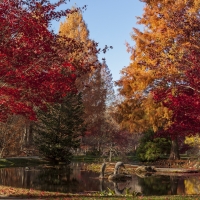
[(165, 169), (131, 169), (177, 170), (193, 167), (21, 161)]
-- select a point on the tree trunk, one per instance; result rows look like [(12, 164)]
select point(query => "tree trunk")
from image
[(98, 146), (110, 153), (1, 152), (174, 185), (174, 154)]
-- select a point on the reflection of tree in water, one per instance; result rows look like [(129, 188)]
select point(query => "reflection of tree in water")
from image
[(174, 184), (117, 190), (155, 185), (62, 179), (56, 180), (17, 177), (192, 185), (117, 186)]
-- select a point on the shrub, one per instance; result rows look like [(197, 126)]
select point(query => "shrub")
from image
[(150, 148)]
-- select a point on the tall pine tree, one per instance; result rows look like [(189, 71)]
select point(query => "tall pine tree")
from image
[(60, 128)]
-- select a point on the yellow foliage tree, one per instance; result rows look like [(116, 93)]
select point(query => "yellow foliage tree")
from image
[(193, 141), (95, 86), (74, 27)]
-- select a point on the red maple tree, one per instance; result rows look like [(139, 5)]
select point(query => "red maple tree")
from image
[(184, 101), (34, 64)]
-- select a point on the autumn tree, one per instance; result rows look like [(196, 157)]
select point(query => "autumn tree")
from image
[(92, 85), (74, 27), (184, 102), (95, 107), (159, 64), (35, 65), (60, 128), (181, 95), (11, 135), (97, 102), (188, 97), (141, 113), (194, 144)]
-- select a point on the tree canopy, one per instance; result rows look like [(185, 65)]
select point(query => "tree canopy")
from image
[(160, 79), (35, 65)]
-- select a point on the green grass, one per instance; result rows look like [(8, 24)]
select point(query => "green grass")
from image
[(21, 162), (88, 158), (26, 161)]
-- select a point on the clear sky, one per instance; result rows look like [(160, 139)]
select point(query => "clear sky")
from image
[(110, 22)]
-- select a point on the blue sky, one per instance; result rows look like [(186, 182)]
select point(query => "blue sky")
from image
[(110, 22)]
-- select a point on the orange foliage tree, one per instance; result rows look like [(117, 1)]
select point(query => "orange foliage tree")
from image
[(159, 60)]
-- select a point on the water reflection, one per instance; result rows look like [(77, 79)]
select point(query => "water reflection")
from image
[(162, 185), (58, 179), (76, 180), (192, 185)]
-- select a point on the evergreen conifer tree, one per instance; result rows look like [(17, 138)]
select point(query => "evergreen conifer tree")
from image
[(59, 129)]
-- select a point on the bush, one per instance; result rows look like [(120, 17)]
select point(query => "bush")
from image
[(150, 148)]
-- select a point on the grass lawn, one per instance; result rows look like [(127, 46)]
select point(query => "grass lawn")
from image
[(34, 161), (21, 162)]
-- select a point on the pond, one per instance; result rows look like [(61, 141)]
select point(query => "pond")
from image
[(76, 180)]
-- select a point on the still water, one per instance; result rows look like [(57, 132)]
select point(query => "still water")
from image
[(76, 180)]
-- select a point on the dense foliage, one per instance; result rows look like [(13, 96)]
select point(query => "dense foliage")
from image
[(160, 87), (40, 70), (60, 128), (35, 65), (150, 148)]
